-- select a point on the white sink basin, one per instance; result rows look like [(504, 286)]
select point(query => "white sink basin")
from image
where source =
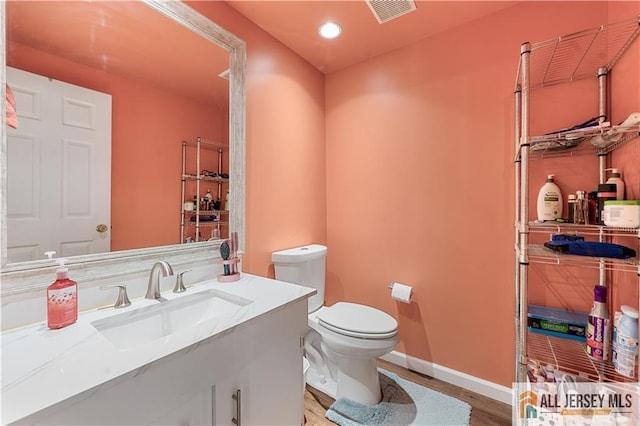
[(168, 316)]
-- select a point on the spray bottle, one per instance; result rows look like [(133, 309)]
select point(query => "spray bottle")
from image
[(598, 326)]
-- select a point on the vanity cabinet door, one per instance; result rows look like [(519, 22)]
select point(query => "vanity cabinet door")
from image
[(267, 370), (148, 399), (225, 406), (268, 391), (193, 410)]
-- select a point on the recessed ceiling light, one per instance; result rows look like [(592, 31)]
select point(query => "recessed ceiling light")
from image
[(330, 30)]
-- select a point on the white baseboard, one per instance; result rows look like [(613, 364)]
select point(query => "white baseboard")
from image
[(463, 380)]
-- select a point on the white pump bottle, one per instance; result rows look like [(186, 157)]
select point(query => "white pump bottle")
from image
[(549, 204), (616, 178)]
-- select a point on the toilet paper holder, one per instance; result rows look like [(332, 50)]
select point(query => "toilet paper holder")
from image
[(401, 292), (390, 286)]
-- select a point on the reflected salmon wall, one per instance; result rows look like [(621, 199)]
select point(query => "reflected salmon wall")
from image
[(146, 158)]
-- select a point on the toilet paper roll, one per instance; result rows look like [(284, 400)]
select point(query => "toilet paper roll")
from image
[(401, 292)]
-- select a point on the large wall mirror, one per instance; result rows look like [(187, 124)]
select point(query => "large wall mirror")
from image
[(170, 75)]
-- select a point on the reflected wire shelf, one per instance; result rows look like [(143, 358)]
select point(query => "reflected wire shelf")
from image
[(206, 212), (206, 223), (205, 178)]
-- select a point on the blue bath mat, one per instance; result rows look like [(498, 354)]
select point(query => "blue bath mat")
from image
[(403, 403)]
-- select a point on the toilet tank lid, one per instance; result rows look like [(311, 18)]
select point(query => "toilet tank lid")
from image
[(359, 319), (299, 254)]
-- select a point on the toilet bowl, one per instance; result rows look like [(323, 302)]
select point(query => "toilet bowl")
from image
[(352, 336), (343, 340)]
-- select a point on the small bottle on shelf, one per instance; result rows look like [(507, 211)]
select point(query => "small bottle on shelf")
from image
[(581, 209), (592, 203), (571, 204), (616, 179), (606, 191), (208, 199)]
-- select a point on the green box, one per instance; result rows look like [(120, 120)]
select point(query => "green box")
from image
[(558, 323)]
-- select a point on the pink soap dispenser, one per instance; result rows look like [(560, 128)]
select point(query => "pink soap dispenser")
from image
[(62, 299)]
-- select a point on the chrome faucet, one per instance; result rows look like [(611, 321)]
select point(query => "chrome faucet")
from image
[(153, 290)]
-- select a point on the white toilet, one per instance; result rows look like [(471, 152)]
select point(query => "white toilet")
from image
[(343, 340)]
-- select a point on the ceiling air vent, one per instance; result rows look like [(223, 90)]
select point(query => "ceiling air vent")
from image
[(386, 10)]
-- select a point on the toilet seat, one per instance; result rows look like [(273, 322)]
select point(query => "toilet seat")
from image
[(360, 321)]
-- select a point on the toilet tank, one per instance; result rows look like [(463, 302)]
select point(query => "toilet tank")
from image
[(303, 266)]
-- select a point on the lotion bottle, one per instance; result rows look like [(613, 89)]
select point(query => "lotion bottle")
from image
[(62, 299), (549, 204), (616, 178), (598, 326)]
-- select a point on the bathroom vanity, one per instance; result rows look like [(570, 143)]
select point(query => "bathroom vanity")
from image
[(220, 353)]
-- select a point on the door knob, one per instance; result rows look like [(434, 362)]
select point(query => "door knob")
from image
[(102, 228)]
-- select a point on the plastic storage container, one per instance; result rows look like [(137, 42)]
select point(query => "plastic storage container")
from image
[(624, 213), (558, 323)]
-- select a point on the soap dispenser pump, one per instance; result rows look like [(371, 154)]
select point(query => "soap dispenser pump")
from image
[(62, 299), (616, 178)]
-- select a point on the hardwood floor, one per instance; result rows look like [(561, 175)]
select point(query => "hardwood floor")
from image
[(485, 411)]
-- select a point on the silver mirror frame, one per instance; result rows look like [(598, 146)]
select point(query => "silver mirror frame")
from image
[(31, 276)]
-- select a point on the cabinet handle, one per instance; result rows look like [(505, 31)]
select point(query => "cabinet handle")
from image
[(236, 397)]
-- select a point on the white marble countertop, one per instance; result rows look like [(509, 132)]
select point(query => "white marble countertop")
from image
[(42, 367)]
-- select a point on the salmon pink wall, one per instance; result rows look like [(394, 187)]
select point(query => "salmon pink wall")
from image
[(420, 181), (148, 127)]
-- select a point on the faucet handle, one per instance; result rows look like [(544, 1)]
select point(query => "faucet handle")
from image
[(179, 287), (122, 300)]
